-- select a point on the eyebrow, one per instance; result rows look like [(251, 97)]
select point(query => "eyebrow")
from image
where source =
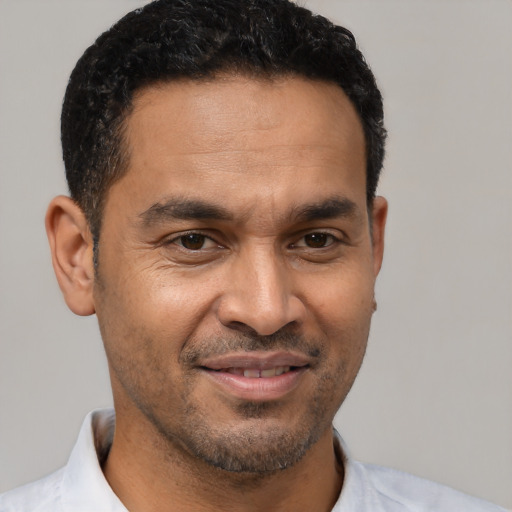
[(192, 209), (183, 209), (331, 208)]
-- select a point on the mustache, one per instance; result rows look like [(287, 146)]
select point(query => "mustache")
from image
[(196, 350)]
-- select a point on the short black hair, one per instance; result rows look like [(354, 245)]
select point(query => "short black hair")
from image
[(197, 39)]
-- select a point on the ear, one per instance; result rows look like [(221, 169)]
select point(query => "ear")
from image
[(71, 246), (379, 215)]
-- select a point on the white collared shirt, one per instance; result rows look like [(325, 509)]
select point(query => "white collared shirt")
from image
[(80, 486)]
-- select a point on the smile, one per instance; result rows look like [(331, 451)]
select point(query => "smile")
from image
[(256, 376), (255, 373)]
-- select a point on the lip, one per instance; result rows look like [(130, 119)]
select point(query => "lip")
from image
[(259, 388), (260, 360)]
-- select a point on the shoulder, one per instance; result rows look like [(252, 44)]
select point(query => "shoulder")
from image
[(40, 496), (416, 494)]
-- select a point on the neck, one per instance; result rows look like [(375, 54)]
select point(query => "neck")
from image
[(162, 477)]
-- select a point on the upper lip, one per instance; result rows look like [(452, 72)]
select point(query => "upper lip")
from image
[(258, 360)]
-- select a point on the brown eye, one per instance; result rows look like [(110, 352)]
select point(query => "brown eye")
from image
[(192, 241), (318, 240)]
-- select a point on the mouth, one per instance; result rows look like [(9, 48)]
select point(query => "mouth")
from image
[(257, 373), (256, 376)]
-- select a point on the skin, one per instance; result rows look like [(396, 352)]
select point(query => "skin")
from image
[(241, 227)]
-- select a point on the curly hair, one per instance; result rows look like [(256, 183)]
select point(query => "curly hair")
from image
[(197, 39)]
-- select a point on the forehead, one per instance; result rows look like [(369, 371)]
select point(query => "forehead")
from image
[(229, 110), (243, 138)]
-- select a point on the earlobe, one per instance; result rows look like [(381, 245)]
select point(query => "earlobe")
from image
[(379, 216), (71, 247)]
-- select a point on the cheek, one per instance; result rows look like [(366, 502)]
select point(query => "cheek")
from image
[(343, 297), (156, 300), (343, 312)]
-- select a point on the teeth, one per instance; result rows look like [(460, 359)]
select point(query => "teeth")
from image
[(254, 373)]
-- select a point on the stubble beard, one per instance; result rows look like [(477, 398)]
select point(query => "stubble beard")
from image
[(257, 441), (257, 444), (256, 448)]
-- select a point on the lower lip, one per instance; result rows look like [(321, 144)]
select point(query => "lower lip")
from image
[(257, 389)]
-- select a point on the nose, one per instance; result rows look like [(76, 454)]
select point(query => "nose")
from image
[(259, 296)]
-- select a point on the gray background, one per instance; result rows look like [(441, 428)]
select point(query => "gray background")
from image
[(434, 394)]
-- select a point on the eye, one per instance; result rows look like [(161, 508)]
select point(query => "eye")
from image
[(316, 240), (194, 241)]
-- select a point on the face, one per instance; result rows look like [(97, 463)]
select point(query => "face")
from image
[(236, 267)]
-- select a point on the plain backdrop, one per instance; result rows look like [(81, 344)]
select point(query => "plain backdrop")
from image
[(434, 396)]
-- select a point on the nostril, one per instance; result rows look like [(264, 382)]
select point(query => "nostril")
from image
[(267, 337), (242, 328), (246, 314)]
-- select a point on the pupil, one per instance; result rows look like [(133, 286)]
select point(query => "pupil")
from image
[(316, 240), (192, 241)]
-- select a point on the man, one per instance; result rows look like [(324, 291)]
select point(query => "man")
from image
[(223, 159)]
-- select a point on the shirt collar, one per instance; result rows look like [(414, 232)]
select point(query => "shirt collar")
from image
[(84, 487)]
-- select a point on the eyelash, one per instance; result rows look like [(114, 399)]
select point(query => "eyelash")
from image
[(333, 240), (176, 239)]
